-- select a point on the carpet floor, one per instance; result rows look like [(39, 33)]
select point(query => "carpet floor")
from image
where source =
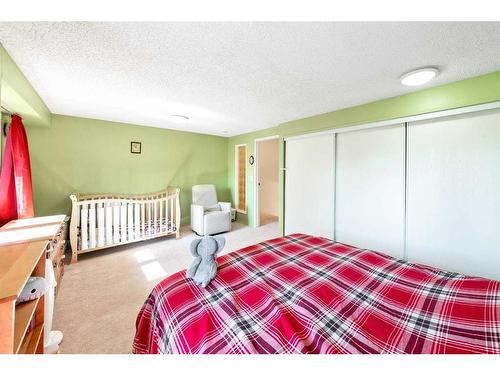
[(101, 295)]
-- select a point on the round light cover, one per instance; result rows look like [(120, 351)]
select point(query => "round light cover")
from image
[(419, 77)]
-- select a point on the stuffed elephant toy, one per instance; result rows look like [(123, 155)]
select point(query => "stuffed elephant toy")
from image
[(204, 268)]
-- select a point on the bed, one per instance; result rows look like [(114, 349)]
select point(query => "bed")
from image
[(305, 294)]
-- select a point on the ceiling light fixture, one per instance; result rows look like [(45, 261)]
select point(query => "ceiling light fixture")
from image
[(419, 76), (179, 118)]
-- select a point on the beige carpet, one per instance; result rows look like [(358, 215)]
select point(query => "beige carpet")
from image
[(101, 295)]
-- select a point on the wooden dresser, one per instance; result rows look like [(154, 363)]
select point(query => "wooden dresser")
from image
[(25, 246)]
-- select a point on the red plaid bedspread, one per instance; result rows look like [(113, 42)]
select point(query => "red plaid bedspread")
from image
[(303, 294)]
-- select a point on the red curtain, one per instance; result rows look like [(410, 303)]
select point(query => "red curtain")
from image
[(16, 194)]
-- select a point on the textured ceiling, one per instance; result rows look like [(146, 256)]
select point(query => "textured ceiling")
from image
[(232, 78)]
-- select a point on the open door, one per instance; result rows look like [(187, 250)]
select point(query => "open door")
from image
[(267, 181)]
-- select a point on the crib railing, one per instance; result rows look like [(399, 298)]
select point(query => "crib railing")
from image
[(100, 221)]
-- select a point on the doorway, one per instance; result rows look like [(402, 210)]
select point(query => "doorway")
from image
[(266, 180)]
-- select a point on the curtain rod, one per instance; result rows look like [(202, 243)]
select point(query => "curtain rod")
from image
[(6, 111), (4, 125)]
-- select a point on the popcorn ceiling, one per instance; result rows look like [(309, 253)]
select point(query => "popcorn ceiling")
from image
[(233, 78)]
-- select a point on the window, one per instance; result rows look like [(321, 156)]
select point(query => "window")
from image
[(241, 177)]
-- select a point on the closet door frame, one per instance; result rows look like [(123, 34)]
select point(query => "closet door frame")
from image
[(399, 120)]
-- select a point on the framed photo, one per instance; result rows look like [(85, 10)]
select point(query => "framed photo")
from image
[(135, 147)]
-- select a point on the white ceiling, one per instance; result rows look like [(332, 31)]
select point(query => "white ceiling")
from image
[(233, 78)]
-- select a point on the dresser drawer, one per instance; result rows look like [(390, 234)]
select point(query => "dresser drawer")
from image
[(56, 254)]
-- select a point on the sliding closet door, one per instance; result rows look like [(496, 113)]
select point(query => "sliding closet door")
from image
[(309, 185), (370, 189), (454, 193)]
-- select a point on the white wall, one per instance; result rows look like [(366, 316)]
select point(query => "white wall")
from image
[(268, 177)]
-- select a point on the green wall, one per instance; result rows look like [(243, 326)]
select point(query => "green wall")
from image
[(91, 156), (477, 90), (18, 95), (70, 154)]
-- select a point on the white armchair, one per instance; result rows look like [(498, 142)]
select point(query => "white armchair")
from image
[(208, 216)]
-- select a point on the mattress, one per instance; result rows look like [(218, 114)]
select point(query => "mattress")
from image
[(306, 294)]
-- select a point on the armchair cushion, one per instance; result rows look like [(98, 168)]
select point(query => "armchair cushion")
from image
[(213, 207), (225, 206)]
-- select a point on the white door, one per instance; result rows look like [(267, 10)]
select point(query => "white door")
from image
[(309, 185), (370, 190), (454, 193)]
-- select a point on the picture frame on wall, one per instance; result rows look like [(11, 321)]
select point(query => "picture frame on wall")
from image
[(135, 147)]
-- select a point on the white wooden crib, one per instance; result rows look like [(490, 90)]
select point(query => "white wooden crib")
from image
[(100, 221)]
